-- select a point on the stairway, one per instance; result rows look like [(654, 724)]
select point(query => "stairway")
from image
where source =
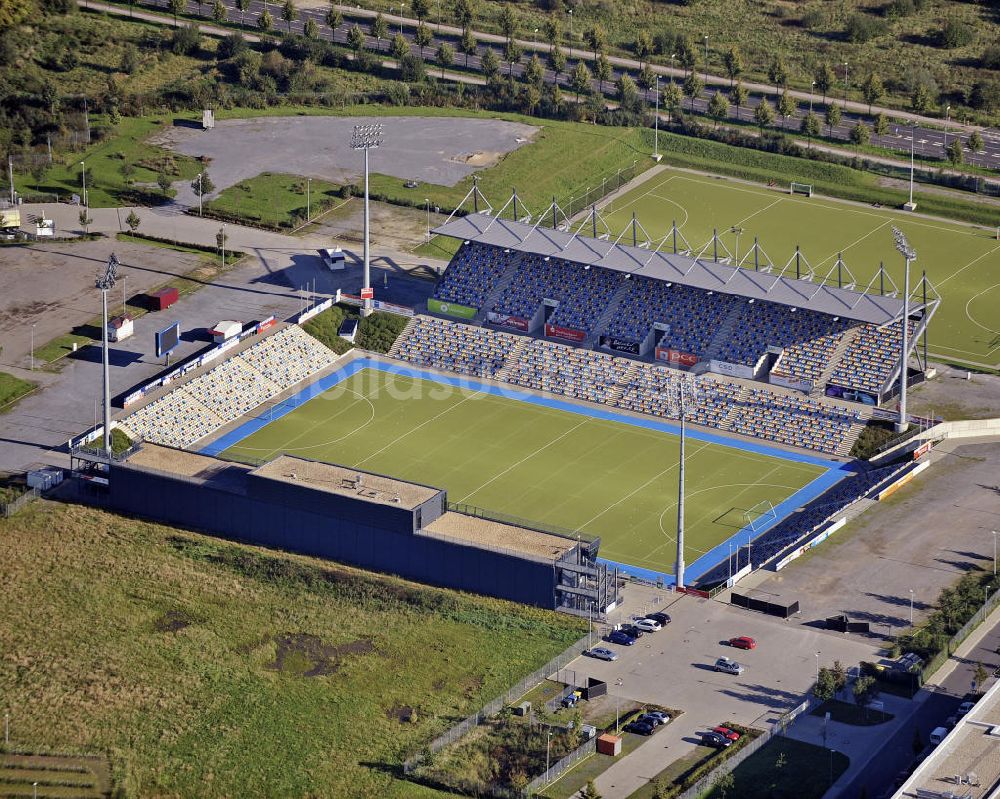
[(498, 288), (513, 358), (410, 325), (846, 340), (608, 313), (615, 394), (725, 332)]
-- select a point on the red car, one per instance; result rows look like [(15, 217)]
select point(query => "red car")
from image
[(743, 642), (725, 732)]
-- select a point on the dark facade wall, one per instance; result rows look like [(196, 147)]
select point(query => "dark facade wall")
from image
[(296, 527)]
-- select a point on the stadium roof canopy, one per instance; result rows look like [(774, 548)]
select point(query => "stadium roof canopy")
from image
[(685, 270)]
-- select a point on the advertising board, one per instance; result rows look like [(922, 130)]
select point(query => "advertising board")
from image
[(793, 383), (567, 333), (506, 320), (851, 394), (732, 369), (676, 357), (168, 339), (620, 344), (451, 309)]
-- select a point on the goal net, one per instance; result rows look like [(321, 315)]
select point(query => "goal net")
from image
[(802, 188)]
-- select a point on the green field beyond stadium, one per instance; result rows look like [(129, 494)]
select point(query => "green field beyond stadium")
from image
[(551, 466), (962, 262)]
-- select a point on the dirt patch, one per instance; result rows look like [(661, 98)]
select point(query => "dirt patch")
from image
[(307, 656), (479, 158), (173, 620), (402, 713)]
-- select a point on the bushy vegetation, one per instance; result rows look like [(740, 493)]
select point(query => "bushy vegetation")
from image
[(379, 331), (205, 668), (376, 332), (120, 441), (273, 200), (874, 436)]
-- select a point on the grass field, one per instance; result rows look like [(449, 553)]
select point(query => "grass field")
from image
[(205, 668), (552, 466), (962, 262), (275, 199)]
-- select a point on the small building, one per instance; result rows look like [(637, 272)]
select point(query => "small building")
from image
[(608, 744), (334, 259), (207, 119), (225, 330), (349, 329), (120, 328), (45, 478), (163, 299)]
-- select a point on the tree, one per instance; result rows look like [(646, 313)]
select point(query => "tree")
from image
[(133, 220), (647, 78), (825, 687), (534, 72), (85, 220), (865, 689), (310, 29), (824, 78), (557, 60), (333, 16), (219, 11), (596, 39), (777, 73), (860, 134), (445, 56), (508, 25), (687, 53), (724, 783), (643, 47), (400, 47), (671, 99), (177, 7), (551, 31), (423, 37), (881, 125), (602, 72), (490, 63), (810, 126), (420, 9), (289, 13), (531, 96), (763, 115), (921, 99), (976, 141), (163, 181), (202, 185), (467, 44), (356, 39), (628, 93), (740, 97), (980, 676), (589, 791), (580, 79), (718, 107), (265, 22), (380, 29), (786, 106), (464, 12), (733, 62), (872, 90), (243, 6), (954, 151), (692, 88), (832, 117), (839, 675), (512, 54)]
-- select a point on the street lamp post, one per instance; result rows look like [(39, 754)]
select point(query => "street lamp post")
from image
[(737, 231), (656, 121), (847, 85), (104, 284), (672, 57), (402, 7), (309, 199), (223, 245), (570, 12), (200, 192), (427, 204), (994, 552), (909, 254), (817, 666), (812, 91), (911, 607), (548, 745), (367, 137), (685, 390), (911, 206), (706, 58), (33, 363), (83, 175), (947, 121)]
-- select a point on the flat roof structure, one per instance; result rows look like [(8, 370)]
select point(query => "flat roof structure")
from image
[(966, 764), (181, 462), (346, 482), (876, 309), (485, 532)]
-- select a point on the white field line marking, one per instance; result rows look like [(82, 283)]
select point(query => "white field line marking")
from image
[(974, 260), (684, 210), (759, 211), (400, 437), (856, 241), (526, 457), (611, 208)]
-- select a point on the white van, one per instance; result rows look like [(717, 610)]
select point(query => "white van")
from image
[(938, 735)]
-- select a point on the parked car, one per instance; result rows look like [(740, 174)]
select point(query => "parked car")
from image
[(649, 625), (937, 735), (570, 700), (640, 727), (716, 740), (743, 642), (728, 666), (602, 653), (659, 714), (732, 735), (965, 707), (630, 629), (647, 718), (662, 618), (618, 637)]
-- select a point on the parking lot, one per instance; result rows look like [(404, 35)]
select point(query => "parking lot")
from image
[(675, 668)]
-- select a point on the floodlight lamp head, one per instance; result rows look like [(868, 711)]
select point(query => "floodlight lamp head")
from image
[(366, 137), (903, 246), (107, 281)]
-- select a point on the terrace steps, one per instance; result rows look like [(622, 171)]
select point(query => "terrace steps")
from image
[(845, 341), (403, 336), (609, 312), (500, 286), (724, 333), (515, 356), (615, 394)]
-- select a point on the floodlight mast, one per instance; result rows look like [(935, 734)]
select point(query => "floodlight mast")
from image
[(686, 390), (909, 254), (366, 137), (104, 283)]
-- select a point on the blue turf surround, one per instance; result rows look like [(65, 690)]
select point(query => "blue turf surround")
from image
[(835, 471)]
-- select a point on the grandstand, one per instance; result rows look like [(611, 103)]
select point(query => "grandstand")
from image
[(187, 413)]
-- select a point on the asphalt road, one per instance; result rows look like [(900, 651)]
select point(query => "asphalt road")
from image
[(927, 142)]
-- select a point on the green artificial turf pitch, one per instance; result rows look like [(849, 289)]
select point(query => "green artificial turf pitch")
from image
[(547, 465), (963, 262)]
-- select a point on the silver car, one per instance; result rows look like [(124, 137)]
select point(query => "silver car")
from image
[(602, 653), (728, 666)]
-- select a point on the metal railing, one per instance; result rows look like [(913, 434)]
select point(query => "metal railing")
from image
[(490, 709), (966, 630), (517, 521), (9, 509), (558, 769)]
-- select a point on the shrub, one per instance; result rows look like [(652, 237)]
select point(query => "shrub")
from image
[(955, 33), (990, 59), (814, 18), (863, 28), (185, 40), (985, 95)]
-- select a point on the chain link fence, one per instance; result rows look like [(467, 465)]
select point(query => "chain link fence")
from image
[(9, 509), (989, 604), (516, 691), (590, 195), (558, 769)]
